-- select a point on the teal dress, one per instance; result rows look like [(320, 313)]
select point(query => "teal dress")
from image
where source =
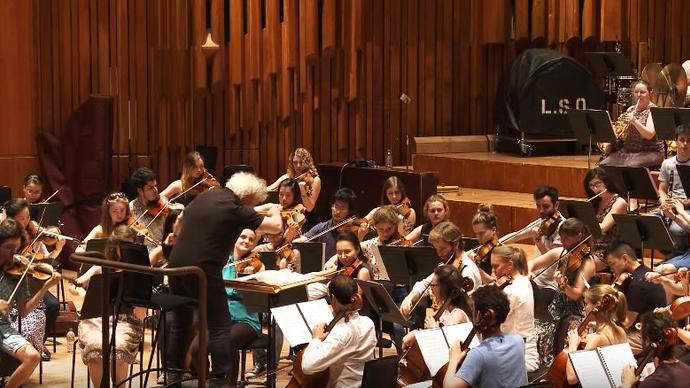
[(238, 312)]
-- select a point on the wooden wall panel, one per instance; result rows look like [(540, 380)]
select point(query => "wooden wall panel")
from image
[(323, 74)]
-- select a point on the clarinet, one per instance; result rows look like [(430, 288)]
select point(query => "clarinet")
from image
[(669, 221)]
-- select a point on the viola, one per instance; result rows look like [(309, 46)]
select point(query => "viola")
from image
[(484, 250), (350, 269), (352, 225), (576, 257), (549, 225)]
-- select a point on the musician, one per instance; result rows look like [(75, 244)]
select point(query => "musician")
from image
[(129, 332), (276, 240), (350, 255), (343, 206), (499, 360), (114, 211), (171, 230), (609, 319), (394, 193), (672, 285), (668, 175), (385, 221), (11, 341), (446, 285), (661, 329), (436, 210), (245, 326), (42, 320), (484, 225), (193, 171), (639, 145), (32, 187), (300, 166), (510, 261), (642, 296), (212, 223), (546, 201), (289, 199), (350, 344), (566, 307), (607, 203), (145, 181)]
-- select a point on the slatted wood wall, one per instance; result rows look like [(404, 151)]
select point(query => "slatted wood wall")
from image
[(323, 74)]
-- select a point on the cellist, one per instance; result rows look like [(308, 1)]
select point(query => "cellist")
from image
[(345, 349)]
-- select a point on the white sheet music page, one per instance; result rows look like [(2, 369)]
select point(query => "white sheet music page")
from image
[(589, 369), (616, 357), (292, 324), (459, 332), (383, 272), (315, 312), (433, 347)]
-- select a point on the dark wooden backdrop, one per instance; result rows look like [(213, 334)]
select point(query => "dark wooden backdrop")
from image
[(323, 74)]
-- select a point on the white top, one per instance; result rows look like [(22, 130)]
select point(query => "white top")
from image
[(453, 317), (344, 351), (468, 269), (368, 252), (520, 319)]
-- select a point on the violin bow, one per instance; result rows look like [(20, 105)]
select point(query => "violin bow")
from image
[(28, 265)]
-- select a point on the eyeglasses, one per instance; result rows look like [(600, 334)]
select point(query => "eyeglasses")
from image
[(339, 208)]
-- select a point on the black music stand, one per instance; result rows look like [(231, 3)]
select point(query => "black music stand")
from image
[(645, 231), (269, 260), (610, 64), (96, 245), (633, 182), (583, 211), (46, 213), (591, 126), (684, 175), (311, 255), (667, 119), (408, 265)]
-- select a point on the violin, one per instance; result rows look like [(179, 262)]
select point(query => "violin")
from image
[(320, 379), (350, 269), (484, 250), (49, 234), (161, 207), (308, 180), (39, 271), (576, 257), (405, 207), (549, 225), (283, 253), (140, 230), (622, 281), (209, 182), (398, 240), (251, 260), (352, 225)]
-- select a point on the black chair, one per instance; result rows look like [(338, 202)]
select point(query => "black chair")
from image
[(8, 364), (5, 194), (261, 342), (381, 372)]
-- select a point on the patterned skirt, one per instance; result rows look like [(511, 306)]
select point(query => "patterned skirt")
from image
[(128, 335)]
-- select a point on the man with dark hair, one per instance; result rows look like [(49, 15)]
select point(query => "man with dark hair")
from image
[(499, 360), (660, 329), (343, 206), (670, 185), (11, 341), (144, 180), (345, 349), (642, 296)]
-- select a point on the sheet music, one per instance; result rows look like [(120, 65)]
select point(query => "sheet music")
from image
[(433, 347), (589, 369), (615, 358), (423, 384), (383, 272), (459, 332), (278, 278), (292, 324), (315, 312)]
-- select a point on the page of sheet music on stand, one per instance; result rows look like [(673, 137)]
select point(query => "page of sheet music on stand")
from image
[(408, 265), (268, 289), (591, 126), (645, 232), (634, 182), (583, 211)]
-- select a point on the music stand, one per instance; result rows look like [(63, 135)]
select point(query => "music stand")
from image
[(136, 287), (645, 231), (667, 119), (634, 182), (268, 258), (382, 302), (96, 245), (583, 211), (311, 255), (48, 214), (92, 307), (684, 175), (591, 126), (610, 64), (407, 265)]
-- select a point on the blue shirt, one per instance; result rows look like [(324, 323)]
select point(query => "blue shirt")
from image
[(497, 362), (238, 311), (328, 238)]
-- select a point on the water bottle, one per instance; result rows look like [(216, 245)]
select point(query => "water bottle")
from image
[(389, 158), (69, 340)]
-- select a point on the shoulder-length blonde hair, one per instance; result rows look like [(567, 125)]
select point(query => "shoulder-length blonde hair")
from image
[(106, 223), (307, 160), (188, 168)]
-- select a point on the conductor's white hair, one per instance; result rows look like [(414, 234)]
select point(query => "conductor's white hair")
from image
[(245, 184)]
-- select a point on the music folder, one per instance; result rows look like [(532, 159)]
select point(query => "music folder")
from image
[(297, 320), (435, 343), (602, 367)]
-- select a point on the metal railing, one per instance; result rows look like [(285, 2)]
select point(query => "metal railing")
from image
[(96, 258)]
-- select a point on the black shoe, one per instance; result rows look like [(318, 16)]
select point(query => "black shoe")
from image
[(259, 369), (45, 356)]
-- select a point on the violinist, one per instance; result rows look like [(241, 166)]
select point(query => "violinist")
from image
[(114, 211), (509, 261), (566, 306), (193, 172), (607, 203), (499, 360), (385, 221), (300, 166), (291, 210), (212, 224), (609, 318), (129, 332), (484, 224), (642, 296), (447, 240), (394, 193), (447, 282), (42, 320), (287, 257), (148, 203), (343, 206), (11, 341), (245, 326), (661, 329), (674, 282), (171, 230), (32, 188), (348, 346), (436, 210)]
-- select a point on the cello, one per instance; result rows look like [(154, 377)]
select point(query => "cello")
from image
[(300, 379)]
